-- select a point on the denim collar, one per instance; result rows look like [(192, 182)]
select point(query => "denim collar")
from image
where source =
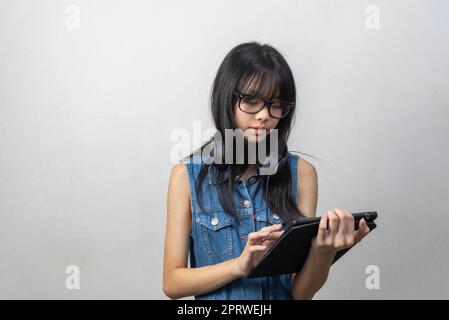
[(214, 172), (214, 178)]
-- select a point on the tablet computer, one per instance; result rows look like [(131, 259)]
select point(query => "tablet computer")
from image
[(289, 252)]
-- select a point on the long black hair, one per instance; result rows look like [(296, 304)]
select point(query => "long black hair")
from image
[(263, 69)]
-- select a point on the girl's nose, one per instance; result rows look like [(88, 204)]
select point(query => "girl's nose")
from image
[(263, 114)]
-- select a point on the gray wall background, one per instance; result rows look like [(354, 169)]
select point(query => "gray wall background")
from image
[(86, 115)]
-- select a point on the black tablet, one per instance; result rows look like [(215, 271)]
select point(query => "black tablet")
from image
[(289, 252)]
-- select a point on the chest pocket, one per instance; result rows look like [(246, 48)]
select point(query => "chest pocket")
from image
[(215, 230)]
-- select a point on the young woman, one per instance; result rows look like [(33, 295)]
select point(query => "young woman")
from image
[(227, 215)]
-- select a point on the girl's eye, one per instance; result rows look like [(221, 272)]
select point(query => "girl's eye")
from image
[(251, 100)]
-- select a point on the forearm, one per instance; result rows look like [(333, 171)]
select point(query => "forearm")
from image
[(184, 282), (313, 274)]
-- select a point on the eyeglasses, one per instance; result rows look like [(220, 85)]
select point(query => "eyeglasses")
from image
[(252, 104)]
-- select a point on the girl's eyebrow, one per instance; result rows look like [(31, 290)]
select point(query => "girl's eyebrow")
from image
[(257, 94)]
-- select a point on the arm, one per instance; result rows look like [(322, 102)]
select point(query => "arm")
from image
[(335, 232), (316, 268), (179, 280), (313, 274)]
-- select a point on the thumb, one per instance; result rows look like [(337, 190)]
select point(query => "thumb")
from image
[(362, 232)]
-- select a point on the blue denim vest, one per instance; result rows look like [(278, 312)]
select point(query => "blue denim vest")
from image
[(216, 236)]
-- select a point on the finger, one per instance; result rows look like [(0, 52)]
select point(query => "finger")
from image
[(271, 229), (255, 237), (322, 228), (274, 227), (350, 216), (351, 229), (362, 232), (333, 225), (342, 222), (275, 235), (340, 237), (268, 243), (257, 248), (363, 226)]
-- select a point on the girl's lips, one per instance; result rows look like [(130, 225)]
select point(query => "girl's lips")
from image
[(259, 131)]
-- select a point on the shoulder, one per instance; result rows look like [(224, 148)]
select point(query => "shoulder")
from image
[(178, 187), (307, 187), (305, 169), (179, 172), (179, 178)]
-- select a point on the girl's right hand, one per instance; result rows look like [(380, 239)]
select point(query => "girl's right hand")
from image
[(258, 243)]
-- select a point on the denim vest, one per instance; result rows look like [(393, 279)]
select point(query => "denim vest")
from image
[(216, 236)]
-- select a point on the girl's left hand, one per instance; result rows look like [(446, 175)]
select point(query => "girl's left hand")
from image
[(340, 234)]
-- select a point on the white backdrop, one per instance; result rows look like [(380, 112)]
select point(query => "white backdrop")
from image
[(90, 92)]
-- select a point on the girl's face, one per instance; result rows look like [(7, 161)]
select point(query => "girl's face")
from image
[(256, 126)]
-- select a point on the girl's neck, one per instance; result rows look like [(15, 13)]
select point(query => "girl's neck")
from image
[(251, 168)]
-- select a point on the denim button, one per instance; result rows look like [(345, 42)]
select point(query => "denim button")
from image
[(275, 216), (246, 203), (214, 220), (252, 180)]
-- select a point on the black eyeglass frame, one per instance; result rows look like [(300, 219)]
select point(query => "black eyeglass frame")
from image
[(266, 103)]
